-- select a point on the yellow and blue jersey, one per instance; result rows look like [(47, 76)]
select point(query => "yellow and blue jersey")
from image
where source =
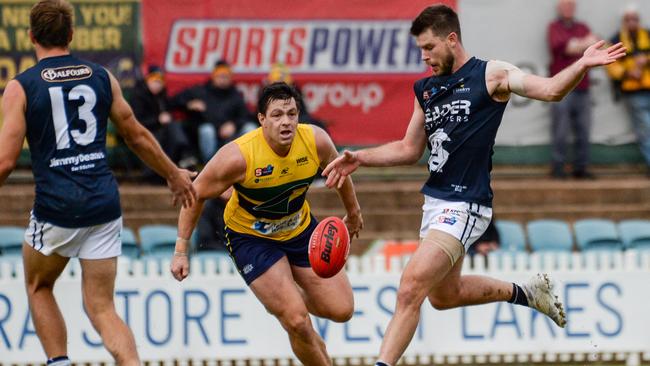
[(271, 200)]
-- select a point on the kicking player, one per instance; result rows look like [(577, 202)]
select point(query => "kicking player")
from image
[(456, 114), (62, 105), (268, 220)]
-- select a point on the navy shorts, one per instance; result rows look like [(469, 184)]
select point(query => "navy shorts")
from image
[(254, 255)]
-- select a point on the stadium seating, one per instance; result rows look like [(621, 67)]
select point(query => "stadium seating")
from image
[(158, 240), (549, 235), (511, 235), (635, 234), (11, 240), (130, 247), (597, 234)]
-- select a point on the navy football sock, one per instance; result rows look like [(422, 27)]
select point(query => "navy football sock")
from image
[(59, 361), (518, 296)]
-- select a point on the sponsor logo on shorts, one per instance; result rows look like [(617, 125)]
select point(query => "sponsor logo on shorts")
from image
[(247, 268), (453, 212), (261, 172), (77, 72), (449, 220)]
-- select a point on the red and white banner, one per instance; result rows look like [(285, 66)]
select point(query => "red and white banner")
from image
[(355, 62)]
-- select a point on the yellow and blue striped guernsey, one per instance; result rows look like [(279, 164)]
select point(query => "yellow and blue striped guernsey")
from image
[(271, 201)]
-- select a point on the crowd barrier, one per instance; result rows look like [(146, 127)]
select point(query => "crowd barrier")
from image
[(212, 317)]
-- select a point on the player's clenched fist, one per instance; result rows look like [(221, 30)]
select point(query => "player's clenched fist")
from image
[(180, 267)]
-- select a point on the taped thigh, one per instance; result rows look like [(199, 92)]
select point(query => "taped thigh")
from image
[(448, 243)]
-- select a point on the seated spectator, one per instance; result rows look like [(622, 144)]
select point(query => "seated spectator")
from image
[(211, 228), (487, 243), (280, 73), (216, 111), (151, 108), (631, 76)]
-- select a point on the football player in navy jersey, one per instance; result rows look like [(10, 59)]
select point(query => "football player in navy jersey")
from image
[(456, 114), (62, 105)]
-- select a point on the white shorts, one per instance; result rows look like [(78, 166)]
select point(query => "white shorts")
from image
[(92, 242), (463, 220)]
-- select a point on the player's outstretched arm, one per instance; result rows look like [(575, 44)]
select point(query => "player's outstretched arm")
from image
[(144, 144), (555, 88), (406, 151), (327, 153), (14, 128), (226, 168)]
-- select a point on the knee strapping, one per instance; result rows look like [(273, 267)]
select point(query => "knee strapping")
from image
[(449, 244)]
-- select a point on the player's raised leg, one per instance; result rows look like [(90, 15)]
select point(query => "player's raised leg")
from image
[(329, 298), (41, 273), (98, 282), (456, 290), (281, 296)]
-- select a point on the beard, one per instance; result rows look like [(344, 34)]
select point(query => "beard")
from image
[(447, 64)]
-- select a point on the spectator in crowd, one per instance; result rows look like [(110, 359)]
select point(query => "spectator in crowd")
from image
[(211, 228), (631, 76), (280, 73), (567, 40), (216, 110), (151, 107)]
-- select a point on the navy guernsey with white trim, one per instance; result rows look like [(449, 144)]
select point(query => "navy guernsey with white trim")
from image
[(68, 105), (461, 122)]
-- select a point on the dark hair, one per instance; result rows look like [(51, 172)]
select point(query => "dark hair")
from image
[(51, 23), (221, 63), (276, 91), (154, 68), (490, 234), (441, 19)]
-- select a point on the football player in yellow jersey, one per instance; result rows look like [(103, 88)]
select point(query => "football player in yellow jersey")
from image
[(269, 222)]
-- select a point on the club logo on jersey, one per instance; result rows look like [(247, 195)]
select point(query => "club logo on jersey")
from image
[(261, 172), (67, 73), (439, 155)]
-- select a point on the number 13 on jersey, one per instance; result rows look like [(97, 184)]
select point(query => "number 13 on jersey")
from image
[(85, 113)]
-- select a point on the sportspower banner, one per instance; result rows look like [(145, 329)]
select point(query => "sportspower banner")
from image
[(356, 62), (214, 316)]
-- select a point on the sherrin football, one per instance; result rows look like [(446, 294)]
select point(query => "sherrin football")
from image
[(329, 246)]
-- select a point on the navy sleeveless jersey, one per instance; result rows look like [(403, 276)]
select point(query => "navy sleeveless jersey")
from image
[(461, 122), (68, 104)]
